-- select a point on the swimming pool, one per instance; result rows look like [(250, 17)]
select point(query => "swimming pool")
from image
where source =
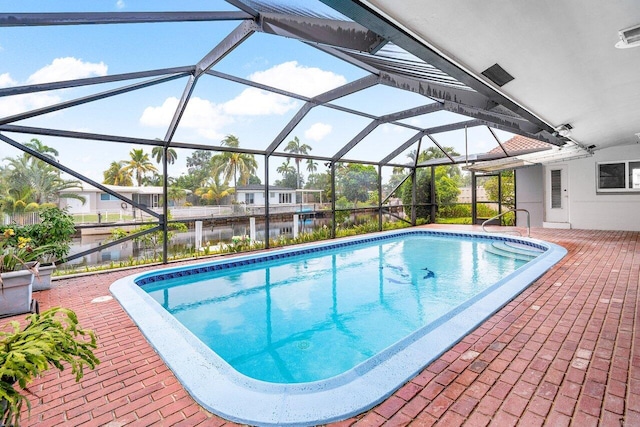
[(282, 326)]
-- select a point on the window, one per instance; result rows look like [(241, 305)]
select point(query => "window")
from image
[(248, 198), (556, 189), (285, 198), (272, 195), (107, 196), (623, 176)]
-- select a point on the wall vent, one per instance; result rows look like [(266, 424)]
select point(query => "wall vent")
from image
[(498, 75)]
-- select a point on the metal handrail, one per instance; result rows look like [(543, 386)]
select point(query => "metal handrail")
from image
[(504, 213)]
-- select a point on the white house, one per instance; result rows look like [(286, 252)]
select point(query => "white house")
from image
[(98, 200), (254, 194)]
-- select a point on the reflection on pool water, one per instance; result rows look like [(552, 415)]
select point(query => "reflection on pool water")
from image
[(321, 332), (319, 314)]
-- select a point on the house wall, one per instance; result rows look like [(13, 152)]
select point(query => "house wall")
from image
[(586, 209), (258, 197), (530, 195)]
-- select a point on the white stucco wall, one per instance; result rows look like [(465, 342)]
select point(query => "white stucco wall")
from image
[(588, 210)]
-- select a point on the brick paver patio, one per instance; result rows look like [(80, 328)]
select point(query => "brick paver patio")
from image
[(564, 352)]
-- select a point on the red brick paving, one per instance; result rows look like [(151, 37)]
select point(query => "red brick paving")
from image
[(564, 352)]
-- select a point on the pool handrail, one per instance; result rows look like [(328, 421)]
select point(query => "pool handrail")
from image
[(504, 213)]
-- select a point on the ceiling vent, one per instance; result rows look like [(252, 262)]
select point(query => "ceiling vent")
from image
[(629, 37), (498, 75)]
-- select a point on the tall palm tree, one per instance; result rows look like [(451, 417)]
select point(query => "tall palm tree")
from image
[(139, 164), (231, 164), (295, 147), (117, 174), (158, 153)]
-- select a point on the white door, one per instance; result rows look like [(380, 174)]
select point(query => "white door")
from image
[(557, 194)]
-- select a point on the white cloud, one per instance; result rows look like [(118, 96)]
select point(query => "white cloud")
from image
[(68, 68), (208, 119), (7, 81), (204, 116), (292, 77), (120, 4), (60, 69), (256, 102), (318, 131)]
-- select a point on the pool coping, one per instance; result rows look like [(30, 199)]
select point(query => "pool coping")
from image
[(222, 390)]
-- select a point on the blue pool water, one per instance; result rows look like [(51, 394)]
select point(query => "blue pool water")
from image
[(321, 332), (316, 315)]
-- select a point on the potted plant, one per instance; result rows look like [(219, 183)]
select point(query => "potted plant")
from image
[(18, 265), (50, 339), (51, 239)]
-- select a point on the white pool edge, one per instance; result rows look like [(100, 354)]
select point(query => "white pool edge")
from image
[(223, 391)]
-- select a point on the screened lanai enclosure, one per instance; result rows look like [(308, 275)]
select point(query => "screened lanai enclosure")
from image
[(191, 128)]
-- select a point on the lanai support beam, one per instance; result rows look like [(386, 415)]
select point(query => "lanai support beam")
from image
[(233, 40), (86, 18), (323, 98), (42, 87), (390, 31), (331, 32), (359, 137), (86, 99)]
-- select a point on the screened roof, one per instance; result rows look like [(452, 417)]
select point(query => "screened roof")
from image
[(377, 101)]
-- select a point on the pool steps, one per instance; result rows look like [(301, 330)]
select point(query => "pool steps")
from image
[(514, 250)]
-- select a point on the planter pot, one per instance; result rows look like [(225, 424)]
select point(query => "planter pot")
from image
[(16, 291), (42, 281)]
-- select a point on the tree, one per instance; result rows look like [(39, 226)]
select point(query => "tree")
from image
[(34, 180), (295, 147), (43, 149), (289, 176), (312, 166), (139, 164), (356, 180), (231, 164), (507, 190), (320, 181), (175, 194), (117, 174), (214, 191), (158, 154), (199, 170)]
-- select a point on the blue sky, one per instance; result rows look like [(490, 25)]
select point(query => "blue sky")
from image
[(217, 108)]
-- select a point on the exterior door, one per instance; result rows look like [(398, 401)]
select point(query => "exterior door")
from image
[(557, 197)]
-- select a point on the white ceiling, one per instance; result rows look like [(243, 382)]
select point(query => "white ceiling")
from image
[(560, 52)]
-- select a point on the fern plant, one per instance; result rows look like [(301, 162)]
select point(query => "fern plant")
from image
[(50, 339)]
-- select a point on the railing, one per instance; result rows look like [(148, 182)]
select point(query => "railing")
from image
[(504, 213)]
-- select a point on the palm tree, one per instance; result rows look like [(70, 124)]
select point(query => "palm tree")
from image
[(41, 148), (312, 166), (175, 194), (295, 147), (214, 190), (42, 180), (230, 164), (117, 174), (230, 141), (158, 153), (139, 164), (285, 168)]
